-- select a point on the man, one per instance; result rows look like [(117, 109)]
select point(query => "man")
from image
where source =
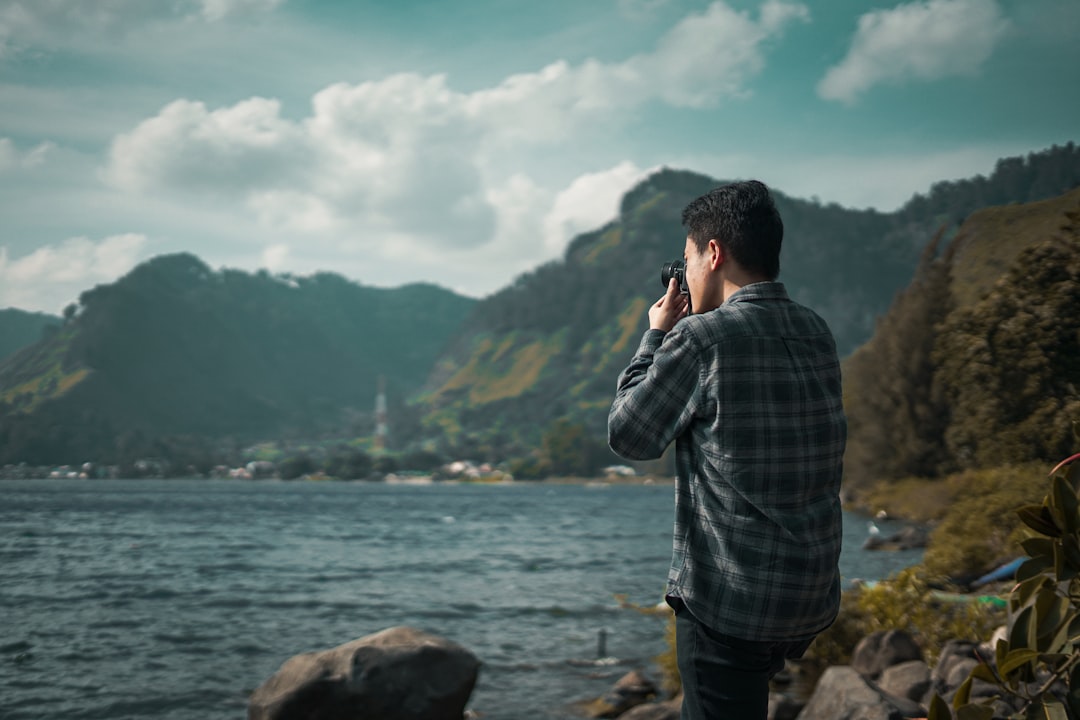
[(748, 386)]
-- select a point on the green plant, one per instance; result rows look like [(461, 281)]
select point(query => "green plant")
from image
[(905, 601), (1037, 665)]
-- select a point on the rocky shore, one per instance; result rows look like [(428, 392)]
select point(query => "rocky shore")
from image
[(404, 674)]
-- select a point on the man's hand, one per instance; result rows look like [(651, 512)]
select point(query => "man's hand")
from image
[(669, 309)]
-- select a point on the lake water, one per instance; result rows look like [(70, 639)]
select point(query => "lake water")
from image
[(175, 599)]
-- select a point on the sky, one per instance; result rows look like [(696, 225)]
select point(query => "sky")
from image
[(465, 142)]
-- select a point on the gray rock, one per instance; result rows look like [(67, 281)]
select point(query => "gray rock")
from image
[(906, 539), (883, 649), (631, 690), (654, 711), (397, 674), (909, 680), (959, 671), (844, 694), (952, 653), (783, 707)]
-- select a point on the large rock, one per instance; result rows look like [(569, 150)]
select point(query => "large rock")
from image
[(908, 538), (844, 694), (397, 674), (632, 689), (670, 710), (909, 680), (783, 707), (883, 649)]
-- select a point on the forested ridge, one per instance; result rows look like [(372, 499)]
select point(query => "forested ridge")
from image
[(549, 347), (972, 368), (19, 328), (176, 358)]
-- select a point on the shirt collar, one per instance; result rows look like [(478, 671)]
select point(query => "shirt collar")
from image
[(770, 290)]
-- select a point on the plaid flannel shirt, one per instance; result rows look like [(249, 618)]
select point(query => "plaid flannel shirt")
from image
[(751, 394)]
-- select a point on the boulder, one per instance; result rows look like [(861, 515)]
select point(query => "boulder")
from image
[(909, 538), (909, 680), (844, 694), (398, 674), (631, 690), (955, 661), (883, 649), (670, 710), (783, 707)]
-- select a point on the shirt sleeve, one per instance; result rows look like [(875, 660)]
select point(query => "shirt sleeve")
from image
[(656, 395)]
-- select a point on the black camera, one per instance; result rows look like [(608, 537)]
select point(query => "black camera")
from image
[(677, 270)]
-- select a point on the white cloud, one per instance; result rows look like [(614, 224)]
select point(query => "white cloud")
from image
[(186, 146), (590, 201), (293, 211), (214, 10), (34, 281), (920, 40), (47, 24), (11, 158), (640, 9), (275, 258), (410, 158), (702, 60), (711, 56)]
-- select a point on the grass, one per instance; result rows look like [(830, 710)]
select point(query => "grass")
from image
[(973, 513)]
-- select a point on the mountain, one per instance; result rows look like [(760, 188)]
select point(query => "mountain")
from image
[(977, 362), (177, 350), (19, 328), (548, 348), (176, 358)]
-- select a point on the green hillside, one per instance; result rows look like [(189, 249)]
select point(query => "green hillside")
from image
[(977, 363), (176, 358), (549, 347), (19, 328), (175, 352)]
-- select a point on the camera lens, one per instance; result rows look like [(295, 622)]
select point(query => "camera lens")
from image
[(671, 270)]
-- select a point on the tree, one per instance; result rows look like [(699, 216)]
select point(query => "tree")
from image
[(349, 464), (1009, 367), (296, 466), (895, 413)]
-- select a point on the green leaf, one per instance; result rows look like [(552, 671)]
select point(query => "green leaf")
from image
[(1050, 611), (1028, 589), (1072, 550), (1038, 546), (963, 694), (1066, 502), (1063, 568), (1039, 519), (1053, 660), (1072, 699), (1074, 626), (1022, 631), (983, 672), (1036, 565), (1047, 708), (939, 709), (1017, 659)]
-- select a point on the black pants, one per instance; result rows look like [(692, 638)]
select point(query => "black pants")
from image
[(726, 678)]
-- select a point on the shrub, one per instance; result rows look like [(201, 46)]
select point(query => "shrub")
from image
[(906, 601), (1037, 665), (981, 529)]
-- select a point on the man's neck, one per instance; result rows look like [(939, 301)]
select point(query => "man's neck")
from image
[(736, 280)]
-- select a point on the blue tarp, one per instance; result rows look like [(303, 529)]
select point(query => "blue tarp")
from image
[(1007, 570)]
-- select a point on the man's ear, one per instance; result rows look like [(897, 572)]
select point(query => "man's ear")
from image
[(716, 254)]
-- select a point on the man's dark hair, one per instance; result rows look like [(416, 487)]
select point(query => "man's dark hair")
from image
[(743, 219)]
